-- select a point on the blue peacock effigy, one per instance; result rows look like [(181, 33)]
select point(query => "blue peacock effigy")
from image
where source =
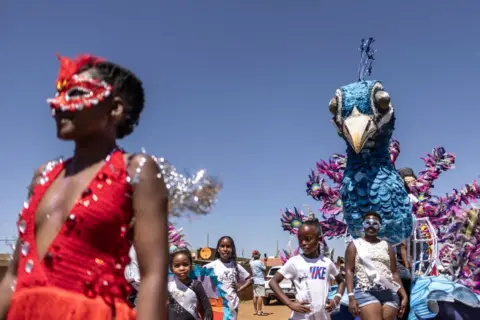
[(364, 117)]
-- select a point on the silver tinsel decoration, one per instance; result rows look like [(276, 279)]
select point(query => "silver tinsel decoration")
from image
[(196, 193)]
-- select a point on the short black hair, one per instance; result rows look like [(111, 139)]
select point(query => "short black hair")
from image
[(406, 172), (181, 250), (126, 84), (314, 223), (372, 213)]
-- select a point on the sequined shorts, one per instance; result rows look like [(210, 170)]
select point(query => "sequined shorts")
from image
[(383, 297)]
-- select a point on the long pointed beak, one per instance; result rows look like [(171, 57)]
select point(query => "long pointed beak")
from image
[(357, 129)]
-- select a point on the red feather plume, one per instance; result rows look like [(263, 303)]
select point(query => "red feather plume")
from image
[(69, 67)]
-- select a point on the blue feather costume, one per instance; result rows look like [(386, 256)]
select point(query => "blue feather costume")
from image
[(364, 118)]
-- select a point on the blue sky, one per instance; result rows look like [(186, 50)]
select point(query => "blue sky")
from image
[(242, 88)]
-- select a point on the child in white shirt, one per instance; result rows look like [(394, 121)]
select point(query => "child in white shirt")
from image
[(233, 279), (310, 273)]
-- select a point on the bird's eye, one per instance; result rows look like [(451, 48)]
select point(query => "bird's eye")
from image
[(382, 101), (333, 106)]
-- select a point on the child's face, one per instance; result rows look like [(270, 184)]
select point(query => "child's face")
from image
[(225, 249), (181, 266), (308, 239)]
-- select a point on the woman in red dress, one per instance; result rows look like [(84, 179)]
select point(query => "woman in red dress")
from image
[(74, 232)]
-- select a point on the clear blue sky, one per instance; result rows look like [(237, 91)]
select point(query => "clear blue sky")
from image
[(242, 88)]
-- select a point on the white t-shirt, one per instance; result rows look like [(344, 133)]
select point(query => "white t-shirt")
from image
[(227, 275), (311, 279), (413, 199)]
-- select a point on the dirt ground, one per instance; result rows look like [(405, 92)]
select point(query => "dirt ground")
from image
[(274, 312)]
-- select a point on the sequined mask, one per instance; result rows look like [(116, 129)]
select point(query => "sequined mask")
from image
[(78, 93), (371, 223)]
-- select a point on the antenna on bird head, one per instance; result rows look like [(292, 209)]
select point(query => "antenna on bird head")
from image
[(311, 215), (367, 55)]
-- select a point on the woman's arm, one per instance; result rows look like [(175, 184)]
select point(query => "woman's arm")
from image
[(395, 274), (350, 255), (396, 277), (404, 255), (150, 204)]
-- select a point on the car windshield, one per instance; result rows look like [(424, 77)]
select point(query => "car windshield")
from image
[(272, 272)]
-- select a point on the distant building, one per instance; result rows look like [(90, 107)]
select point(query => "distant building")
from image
[(4, 259), (273, 262)]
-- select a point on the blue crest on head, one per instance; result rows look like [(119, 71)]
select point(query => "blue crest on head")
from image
[(357, 94)]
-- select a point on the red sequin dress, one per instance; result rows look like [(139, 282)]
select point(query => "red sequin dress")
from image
[(81, 277)]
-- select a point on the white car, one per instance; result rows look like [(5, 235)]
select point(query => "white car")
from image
[(286, 286)]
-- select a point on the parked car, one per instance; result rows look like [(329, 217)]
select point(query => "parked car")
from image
[(286, 286)]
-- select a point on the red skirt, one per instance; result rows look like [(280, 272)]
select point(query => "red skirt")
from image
[(49, 303)]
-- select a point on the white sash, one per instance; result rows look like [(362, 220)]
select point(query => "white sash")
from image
[(413, 199), (364, 255), (132, 271), (184, 296)]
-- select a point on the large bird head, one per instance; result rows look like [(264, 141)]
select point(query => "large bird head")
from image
[(361, 111)]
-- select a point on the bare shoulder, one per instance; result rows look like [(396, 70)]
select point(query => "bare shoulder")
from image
[(142, 165), (39, 174), (389, 246), (351, 247)]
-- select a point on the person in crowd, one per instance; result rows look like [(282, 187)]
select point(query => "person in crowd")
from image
[(340, 264), (404, 270), (310, 273), (187, 298), (258, 272), (410, 181), (74, 232), (233, 279), (403, 252), (375, 295)]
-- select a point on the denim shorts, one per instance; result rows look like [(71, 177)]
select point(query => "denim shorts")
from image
[(383, 297)]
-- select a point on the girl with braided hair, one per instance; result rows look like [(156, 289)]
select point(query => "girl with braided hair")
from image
[(233, 279)]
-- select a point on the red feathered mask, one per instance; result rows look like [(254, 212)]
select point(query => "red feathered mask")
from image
[(69, 67), (76, 92)]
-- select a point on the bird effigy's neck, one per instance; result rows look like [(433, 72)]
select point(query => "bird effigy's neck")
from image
[(375, 153)]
